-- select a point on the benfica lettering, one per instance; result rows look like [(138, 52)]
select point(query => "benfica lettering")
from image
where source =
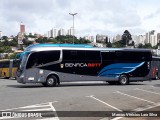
[(82, 65)]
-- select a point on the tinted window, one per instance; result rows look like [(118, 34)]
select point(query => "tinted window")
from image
[(48, 56), (133, 56), (4, 64), (76, 55), (16, 63), (41, 58), (108, 56), (93, 56)]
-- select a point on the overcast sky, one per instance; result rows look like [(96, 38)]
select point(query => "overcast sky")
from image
[(109, 17)]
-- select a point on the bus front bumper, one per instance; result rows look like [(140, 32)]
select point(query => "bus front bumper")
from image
[(21, 79)]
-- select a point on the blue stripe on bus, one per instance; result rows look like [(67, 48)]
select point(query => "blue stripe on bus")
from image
[(119, 68)]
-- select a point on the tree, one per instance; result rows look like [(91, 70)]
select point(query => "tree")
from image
[(1, 50), (147, 45), (14, 42), (4, 37), (117, 44), (106, 40), (132, 44), (27, 42), (109, 44), (12, 56), (140, 45), (6, 42), (41, 40), (7, 49), (126, 37)]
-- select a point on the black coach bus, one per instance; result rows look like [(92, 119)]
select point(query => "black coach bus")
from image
[(51, 65)]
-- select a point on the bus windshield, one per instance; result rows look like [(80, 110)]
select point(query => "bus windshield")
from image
[(23, 62)]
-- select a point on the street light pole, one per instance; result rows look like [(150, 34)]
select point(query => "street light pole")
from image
[(73, 14)]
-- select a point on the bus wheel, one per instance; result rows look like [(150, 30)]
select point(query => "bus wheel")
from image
[(51, 81), (123, 80)]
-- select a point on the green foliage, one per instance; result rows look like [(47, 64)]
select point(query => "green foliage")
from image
[(1, 50), (63, 39), (13, 43), (109, 44), (41, 40), (140, 45), (12, 56), (117, 44), (7, 49), (4, 37), (126, 37), (147, 45), (26, 42)]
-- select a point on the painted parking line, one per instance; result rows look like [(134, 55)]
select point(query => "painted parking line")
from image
[(147, 91), (53, 109), (134, 97), (137, 110), (31, 106), (92, 96), (37, 107)]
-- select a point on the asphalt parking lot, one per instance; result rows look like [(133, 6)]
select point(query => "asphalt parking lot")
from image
[(82, 100)]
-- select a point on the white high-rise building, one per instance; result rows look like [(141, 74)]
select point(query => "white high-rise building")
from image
[(142, 39), (136, 40), (49, 34), (153, 39), (0, 34), (61, 32), (53, 33), (70, 31), (90, 38), (116, 38), (158, 37)]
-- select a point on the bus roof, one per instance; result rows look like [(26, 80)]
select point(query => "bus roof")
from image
[(45, 48), (58, 45)]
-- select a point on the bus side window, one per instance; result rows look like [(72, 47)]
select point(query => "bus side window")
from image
[(93, 56), (108, 56), (45, 57), (74, 55), (32, 61)]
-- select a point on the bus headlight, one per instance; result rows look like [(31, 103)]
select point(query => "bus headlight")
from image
[(22, 76)]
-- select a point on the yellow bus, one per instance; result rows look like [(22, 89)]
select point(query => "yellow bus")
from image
[(8, 68)]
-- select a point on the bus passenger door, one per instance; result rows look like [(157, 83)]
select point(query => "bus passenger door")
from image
[(31, 68)]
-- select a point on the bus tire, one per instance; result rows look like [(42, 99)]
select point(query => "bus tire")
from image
[(123, 80), (51, 81)]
